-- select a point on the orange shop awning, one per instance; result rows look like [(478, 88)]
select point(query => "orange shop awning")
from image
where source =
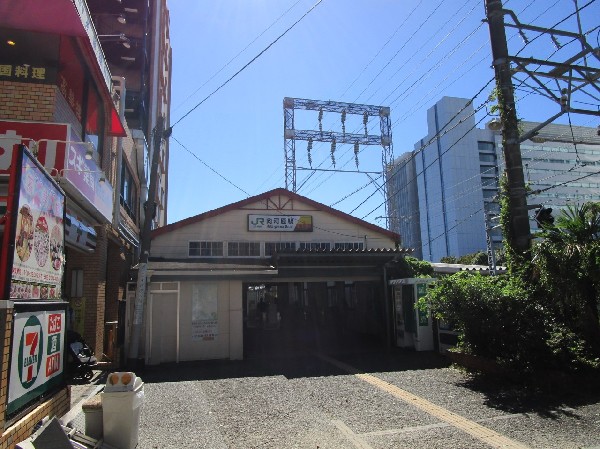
[(62, 17)]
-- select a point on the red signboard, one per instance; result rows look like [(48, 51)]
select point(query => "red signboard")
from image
[(50, 138), (62, 157)]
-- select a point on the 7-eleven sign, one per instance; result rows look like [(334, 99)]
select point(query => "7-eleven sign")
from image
[(37, 354), (30, 351)]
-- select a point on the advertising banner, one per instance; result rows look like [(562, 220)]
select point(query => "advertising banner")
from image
[(37, 266), (37, 361), (84, 174), (64, 159), (280, 223), (205, 319)]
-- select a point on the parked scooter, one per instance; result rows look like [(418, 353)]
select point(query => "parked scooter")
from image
[(80, 357)]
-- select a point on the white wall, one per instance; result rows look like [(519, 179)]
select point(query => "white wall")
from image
[(233, 226)]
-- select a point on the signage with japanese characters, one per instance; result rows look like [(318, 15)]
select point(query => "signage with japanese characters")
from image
[(27, 73), (37, 267), (280, 223), (61, 157), (38, 355)]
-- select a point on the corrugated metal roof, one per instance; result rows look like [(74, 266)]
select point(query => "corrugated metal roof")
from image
[(456, 267), (346, 251)]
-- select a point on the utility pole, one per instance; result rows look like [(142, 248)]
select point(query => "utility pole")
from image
[(149, 213), (518, 234)]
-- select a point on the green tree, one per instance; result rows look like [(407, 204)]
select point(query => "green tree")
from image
[(567, 268)]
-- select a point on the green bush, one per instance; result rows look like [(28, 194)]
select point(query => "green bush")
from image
[(544, 314), (494, 316)]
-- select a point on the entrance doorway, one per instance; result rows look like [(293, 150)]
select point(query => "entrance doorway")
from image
[(295, 318)]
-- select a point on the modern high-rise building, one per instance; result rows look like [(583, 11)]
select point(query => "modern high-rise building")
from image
[(441, 193)]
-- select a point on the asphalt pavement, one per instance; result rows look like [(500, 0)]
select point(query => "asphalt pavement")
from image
[(378, 400)]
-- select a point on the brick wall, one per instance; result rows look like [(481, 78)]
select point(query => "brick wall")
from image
[(22, 101), (6, 319), (94, 288), (116, 278), (56, 405)]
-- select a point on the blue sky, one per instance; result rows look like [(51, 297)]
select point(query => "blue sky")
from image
[(402, 54)]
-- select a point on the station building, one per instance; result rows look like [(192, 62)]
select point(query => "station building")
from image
[(274, 273)]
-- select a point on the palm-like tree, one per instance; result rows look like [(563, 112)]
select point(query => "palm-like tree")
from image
[(570, 256)]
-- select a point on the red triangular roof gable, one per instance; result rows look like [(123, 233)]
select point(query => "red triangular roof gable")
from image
[(264, 196)]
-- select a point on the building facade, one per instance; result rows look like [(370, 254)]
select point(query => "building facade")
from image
[(68, 93), (277, 267), (444, 193)]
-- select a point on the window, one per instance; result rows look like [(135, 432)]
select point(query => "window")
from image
[(77, 283), (349, 245), (128, 192), (489, 183), (243, 249), (315, 245), (274, 247), (487, 147), (487, 157), (94, 119), (210, 249)]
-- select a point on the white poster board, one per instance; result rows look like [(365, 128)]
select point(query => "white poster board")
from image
[(205, 322)]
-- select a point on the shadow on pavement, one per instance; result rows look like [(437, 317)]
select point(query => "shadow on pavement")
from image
[(293, 366), (550, 402)]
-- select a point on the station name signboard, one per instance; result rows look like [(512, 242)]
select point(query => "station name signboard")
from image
[(37, 361), (280, 223)]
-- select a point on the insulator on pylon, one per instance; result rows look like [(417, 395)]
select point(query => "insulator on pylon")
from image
[(356, 149), (333, 152), (308, 148), (365, 121), (320, 120), (564, 98), (344, 121)]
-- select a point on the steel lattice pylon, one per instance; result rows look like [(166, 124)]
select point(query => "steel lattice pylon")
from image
[(291, 134)]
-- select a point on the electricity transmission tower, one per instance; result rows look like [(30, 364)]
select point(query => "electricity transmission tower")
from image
[(291, 135)]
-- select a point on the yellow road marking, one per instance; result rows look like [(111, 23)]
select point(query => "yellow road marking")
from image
[(488, 436)]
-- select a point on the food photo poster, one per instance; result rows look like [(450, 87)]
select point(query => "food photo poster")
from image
[(38, 258)]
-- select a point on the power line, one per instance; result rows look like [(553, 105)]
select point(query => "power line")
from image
[(384, 45), (209, 167), (248, 63), (238, 54)]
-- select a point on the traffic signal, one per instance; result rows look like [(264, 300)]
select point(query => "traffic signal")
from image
[(544, 217)]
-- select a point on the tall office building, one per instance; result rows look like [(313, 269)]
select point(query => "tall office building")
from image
[(441, 194)]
